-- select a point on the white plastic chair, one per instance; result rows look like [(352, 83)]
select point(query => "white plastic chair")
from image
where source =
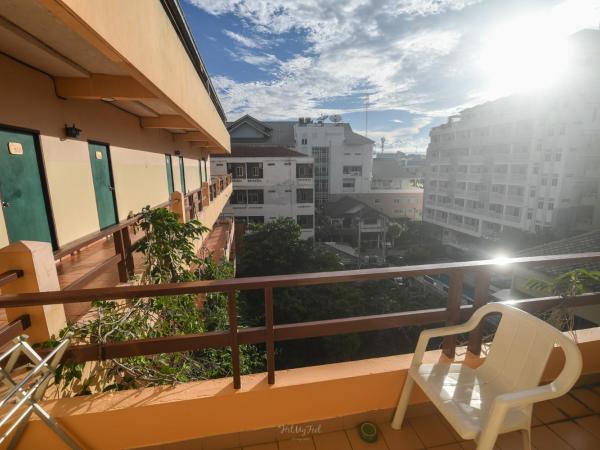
[(498, 396)]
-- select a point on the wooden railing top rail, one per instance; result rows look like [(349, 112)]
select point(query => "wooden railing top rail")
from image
[(301, 330), (275, 281), (97, 235)]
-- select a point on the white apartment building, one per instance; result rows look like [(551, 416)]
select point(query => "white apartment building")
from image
[(525, 162), (269, 182), (342, 158)]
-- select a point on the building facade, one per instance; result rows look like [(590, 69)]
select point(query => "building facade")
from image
[(527, 162), (269, 182), (92, 129), (342, 158)]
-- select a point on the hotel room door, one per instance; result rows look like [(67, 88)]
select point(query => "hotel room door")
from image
[(22, 195), (103, 184)]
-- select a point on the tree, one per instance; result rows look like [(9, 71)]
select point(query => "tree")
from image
[(395, 230), (276, 248), (169, 255)]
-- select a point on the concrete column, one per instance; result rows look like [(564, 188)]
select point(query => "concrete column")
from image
[(178, 205), (36, 261)]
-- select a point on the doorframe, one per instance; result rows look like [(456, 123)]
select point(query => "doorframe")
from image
[(37, 143), (110, 176)]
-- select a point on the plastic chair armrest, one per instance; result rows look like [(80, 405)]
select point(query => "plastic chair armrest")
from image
[(426, 335)]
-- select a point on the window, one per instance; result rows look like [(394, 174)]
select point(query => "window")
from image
[(255, 170), (304, 170), (353, 170), (555, 181), (498, 188), (256, 197), (530, 214), (544, 181), (496, 208), (513, 211), (541, 204), (517, 191), (550, 206), (348, 184), (256, 219), (532, 193), (237, 170), (557, 157), (535, 170), (304, 141), (370, 220), (238, 197), (501, 168), (304, 195), (305, 221)]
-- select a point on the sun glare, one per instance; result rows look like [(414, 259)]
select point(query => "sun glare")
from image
[(523, 56), (531, 52)]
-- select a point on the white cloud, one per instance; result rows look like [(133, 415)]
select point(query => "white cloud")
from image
[(244, 40), (404, 53)]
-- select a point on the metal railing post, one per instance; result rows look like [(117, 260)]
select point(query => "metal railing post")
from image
[(482, 288), (269, 335), (453, 310), (234, 339)]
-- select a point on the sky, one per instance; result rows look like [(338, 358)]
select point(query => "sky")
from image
[(413, 62)]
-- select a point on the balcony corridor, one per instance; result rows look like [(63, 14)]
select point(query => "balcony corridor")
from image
[(571, 422)]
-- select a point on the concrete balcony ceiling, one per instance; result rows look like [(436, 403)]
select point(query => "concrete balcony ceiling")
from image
[(100, 53)]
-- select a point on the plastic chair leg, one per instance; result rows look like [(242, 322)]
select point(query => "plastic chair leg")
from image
[(403, 403), (526, 438)]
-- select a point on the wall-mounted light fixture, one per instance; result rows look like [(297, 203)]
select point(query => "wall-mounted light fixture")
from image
[(72, 131), (107, 99), (177, 153)]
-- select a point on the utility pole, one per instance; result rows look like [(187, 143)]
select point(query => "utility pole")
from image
[(382, 143)]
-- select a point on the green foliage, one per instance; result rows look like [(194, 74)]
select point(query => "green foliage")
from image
[(168, 245), (395, 230), (169, 255), (276, 248), (566, 285)]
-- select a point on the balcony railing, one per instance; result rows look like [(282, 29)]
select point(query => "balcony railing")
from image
[(198, 199), (124, 248), (270, 333)]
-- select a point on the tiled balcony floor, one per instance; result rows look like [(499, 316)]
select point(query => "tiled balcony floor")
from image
[(570, 422)]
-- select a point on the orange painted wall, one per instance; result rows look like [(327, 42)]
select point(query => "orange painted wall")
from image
[(193, 410), (29, 102)]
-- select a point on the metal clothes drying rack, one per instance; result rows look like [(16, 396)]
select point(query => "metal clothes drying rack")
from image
[(30, 390)]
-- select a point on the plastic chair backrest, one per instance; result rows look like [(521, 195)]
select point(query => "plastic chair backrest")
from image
[(521, 348)]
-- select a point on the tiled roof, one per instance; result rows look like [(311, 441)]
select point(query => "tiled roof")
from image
[(583, 243), (349, 205), (261, 151)]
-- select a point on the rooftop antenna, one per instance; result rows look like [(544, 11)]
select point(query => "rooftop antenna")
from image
[(382, 143), (336, 118)]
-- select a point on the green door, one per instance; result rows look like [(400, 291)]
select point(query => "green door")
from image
[(21, 189), (169, 165), (103, 184), (182, 175)]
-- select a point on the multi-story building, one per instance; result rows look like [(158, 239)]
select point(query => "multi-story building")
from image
[(398, 171), (342, 158), (395, 203), (269, 182), (526, 162), (93, 130)]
